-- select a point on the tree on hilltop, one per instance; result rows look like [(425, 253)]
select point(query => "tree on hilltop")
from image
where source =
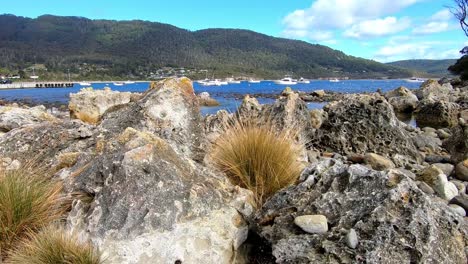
[(460, 12)]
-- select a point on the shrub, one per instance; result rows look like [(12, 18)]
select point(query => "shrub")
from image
[(54, 246), (258, 158), (28, 202)]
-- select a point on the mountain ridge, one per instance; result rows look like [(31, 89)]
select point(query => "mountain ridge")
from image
[(435, 68), (133, 48)]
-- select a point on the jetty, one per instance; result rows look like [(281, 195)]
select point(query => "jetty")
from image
[(27, 85)]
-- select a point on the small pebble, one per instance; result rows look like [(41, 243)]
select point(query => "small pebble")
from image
[(352, 239)]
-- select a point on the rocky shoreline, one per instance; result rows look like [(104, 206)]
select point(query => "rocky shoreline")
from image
[(374, 189)]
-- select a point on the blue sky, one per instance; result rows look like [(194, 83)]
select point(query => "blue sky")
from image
[(383, 30)]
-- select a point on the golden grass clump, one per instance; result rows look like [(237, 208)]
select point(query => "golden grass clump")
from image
[(257, 157), (28, 202), (54, 246)]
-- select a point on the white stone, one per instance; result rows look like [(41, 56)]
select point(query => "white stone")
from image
[(314, 224), (352, 239), (457, 209), (447, 190)]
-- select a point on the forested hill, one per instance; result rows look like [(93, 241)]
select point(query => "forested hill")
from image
[(96, 48), (433, 67)]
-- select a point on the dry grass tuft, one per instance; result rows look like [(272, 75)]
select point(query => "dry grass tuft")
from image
[(28, 202), (258, 158), (54, 246)]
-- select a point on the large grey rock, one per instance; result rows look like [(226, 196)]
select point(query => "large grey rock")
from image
[(13, 117), (89, 105), (396, 222), (361, 124), (402, 100), (151, 205), (168, 109), (437, 114), (435, 90)]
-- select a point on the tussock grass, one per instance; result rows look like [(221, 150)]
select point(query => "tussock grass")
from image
[(28, 202), (257, 157), (54, 246)]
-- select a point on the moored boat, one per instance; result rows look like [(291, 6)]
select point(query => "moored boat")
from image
[(286, 81), (302, 80)]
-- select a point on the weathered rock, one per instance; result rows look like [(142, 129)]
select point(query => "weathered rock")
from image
[(402, 100), (361, 124), (446, 168), (433, 89), (457, 209), (152, 205), (314, 224), (387, 219), (13, 117), (169, 110), (316, 116), (89, 105), (378, 162), (250, 107), (457, 144), (425, 187), (204, 99), (460, 200), (319, 93), (351, 239), (437, 114), (462, 170), (287, 91), (446, 190)]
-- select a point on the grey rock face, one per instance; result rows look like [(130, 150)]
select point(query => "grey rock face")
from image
[(395, 220), (169, 109), (435, 90), (437, 114), (402, 100), (361, 124), (13, 117)]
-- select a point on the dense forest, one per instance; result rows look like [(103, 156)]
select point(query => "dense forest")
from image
[(436, 68), (88, 48)]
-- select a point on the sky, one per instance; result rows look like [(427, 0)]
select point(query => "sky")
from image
[(382, 30)]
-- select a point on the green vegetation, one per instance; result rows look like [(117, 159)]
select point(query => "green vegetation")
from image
[(97, 49), (28, 202), (435, 68), (258, 158), (54, 246)]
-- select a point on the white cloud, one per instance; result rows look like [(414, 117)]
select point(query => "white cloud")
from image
[(442, 15), (416, 50), (439, 22), (377, 27), (335, 14), (328, 15), (432, 27)]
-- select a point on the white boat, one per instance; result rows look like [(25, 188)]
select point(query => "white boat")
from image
[(416, 80), (84, 84), (253, 81), (302, 80), (232, 80), (334, 80), (129, 82), (215, 82), (118, 84), (286, 81)]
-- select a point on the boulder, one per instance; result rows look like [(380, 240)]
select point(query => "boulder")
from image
[(457, 144), (170, 110), (378, 162), (314, 224), (364, 123), (13, 117), (402, 100), (396, 223), (437, 114), (152, 205), (204, 99), (89, 105), (435, 90), (461, 171)]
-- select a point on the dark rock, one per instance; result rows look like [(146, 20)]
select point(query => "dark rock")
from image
[(432, 158), (387, 219), (437, 114), (361, 124), (457, 144), (461, 200)]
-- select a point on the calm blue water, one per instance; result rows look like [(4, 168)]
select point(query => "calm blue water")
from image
[(226, 94)]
